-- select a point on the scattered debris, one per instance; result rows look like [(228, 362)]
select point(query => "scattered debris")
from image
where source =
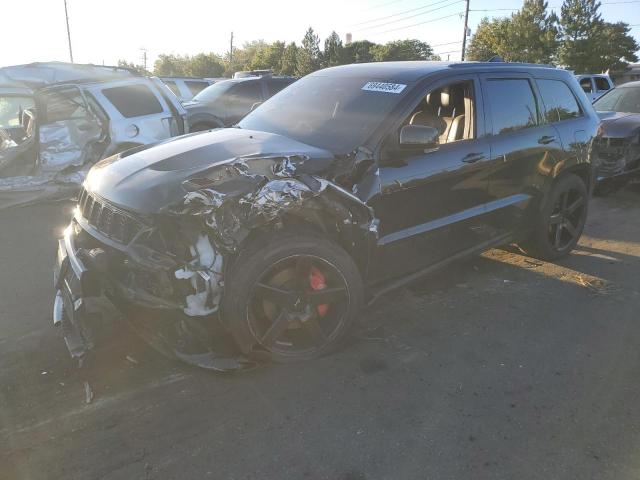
[(131, 359), (88, 393)]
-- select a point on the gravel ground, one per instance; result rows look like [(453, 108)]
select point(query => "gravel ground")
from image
[(501, 367)]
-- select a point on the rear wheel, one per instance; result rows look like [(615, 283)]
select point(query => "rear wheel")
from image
[(293, 299), (560, 222)]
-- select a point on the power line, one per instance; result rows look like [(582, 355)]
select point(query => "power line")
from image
[(382, 5), (417, 24), (400, 13), (411, 16), (443, 44)]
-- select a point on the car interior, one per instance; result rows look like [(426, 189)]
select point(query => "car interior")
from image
[(449, 109)]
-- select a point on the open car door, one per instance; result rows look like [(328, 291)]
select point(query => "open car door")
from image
[(70, 133), (18, 140)]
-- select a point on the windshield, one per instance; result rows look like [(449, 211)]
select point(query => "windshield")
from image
[(333, 113), (626, 100), (213, 92)]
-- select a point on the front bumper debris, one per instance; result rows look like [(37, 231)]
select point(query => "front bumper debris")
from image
[(199, 342)]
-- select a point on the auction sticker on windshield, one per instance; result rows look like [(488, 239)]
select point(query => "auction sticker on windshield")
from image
[(384, 87)]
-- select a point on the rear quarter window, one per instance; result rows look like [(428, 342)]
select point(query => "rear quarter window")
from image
[(602, 84), (173, 87), (559, 102), (195, 87), (513, 105), (133, 100)]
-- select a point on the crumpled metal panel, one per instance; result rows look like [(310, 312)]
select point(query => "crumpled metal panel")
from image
[(60, 144)]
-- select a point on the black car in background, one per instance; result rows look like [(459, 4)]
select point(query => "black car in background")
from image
[(353, 181), (224, 103), (618, 149)]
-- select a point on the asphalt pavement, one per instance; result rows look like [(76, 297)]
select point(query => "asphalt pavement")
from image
[(500, 367)]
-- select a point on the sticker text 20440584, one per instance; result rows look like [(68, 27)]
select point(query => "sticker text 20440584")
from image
[(384, 87)]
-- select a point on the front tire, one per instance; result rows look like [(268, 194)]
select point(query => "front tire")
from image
[(559, 224), (291, 299)]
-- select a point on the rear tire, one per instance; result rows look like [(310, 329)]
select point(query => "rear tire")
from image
[(291, 297), (559, 224)]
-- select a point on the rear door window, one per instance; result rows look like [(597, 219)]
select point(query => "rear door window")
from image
[(559, 102), (602, 84), (512, 103), (585, 84), (64, 104), (195, 86), (133, 100)]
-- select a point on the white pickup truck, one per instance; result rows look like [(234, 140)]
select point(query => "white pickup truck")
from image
[(594, 86)]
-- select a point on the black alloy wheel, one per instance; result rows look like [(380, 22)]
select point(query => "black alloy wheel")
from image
[(567, 218), (558, 225), (298, 306)]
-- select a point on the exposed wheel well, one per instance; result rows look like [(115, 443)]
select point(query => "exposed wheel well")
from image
[(321, 225), (583, 171), (203, 125)]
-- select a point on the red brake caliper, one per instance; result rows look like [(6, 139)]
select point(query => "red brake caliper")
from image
[(318, 282)]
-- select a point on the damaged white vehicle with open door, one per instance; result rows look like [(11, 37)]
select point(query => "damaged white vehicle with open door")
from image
[(56, 120)]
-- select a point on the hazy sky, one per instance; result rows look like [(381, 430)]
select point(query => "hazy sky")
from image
[(108, 30)]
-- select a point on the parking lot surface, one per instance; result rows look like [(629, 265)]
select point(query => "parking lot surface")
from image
[(500, 367)]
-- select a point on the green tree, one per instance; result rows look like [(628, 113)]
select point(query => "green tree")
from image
[(205, 65), (402, 50), (289, 65), (170, 65), (268, 56), (529, 35), (590, 44), (359, 51), (309, 57), (580, 23), (617, 48), (333, 51), (132, 66), (489, 39), (533, 33)]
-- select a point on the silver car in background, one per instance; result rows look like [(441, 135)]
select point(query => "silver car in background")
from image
[(57, 119)]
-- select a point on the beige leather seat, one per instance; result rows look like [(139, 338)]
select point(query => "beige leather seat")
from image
[(428, 114)]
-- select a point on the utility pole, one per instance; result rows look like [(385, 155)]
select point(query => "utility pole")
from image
[(66, 14), (231, 53), (144, 58), (466, 28)]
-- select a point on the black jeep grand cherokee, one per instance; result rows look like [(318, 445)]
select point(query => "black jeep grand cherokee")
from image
[(350, 182)]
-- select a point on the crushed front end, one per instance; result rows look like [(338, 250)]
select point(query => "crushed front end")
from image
[(618, 158), (151, 268)]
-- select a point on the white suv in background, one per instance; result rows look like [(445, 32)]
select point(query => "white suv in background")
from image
[(185, 88), (594, 86)]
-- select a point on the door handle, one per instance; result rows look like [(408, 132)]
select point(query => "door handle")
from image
[(547, 139), (473, 157)]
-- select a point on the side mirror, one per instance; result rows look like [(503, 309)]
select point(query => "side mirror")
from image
[(419, 136)]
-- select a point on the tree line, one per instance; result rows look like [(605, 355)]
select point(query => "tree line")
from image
[(288, 59), (579, 39)]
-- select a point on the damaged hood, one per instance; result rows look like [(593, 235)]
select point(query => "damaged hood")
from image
[(150, 179), (619, 124)]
